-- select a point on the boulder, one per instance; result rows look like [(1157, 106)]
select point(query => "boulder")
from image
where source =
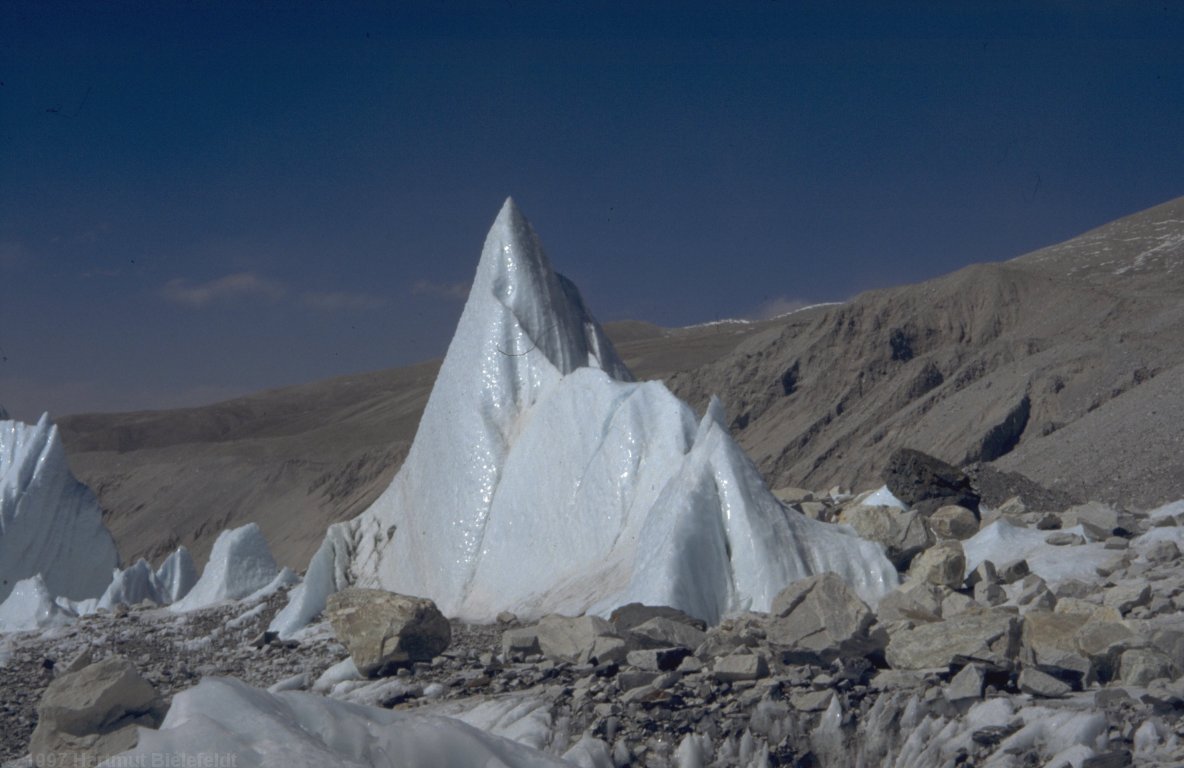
[(384, 630), (1103, 642), (1127, 595), (1039, 683), (1013, 570), (953, 522), (661, 632), (990, 637), (1099, 520), (90, 714), (915, 601), (657, 659), (745, 630), (579, 639), (943, 564), (740, 666), (903, 534), (629, 616), (967, 685), (926, 483), (1139, 666), (1048, 643), (821, 617)]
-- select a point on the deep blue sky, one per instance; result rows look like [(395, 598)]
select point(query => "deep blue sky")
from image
[(198, 202)]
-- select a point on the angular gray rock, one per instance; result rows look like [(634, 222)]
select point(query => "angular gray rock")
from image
[(383, 630), (1042, 684), (915, 601), (1139, 666), (990, 636), (1048, 643), (740, 666), (943, 564), (578, 639), (967, 685), (903, 534), (953, 522), (1099, 520), (1127, 595), (660, 632), (821, 617), (91, 714), (629, 616)]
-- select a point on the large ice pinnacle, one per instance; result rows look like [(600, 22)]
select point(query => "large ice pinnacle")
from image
[(543, 479), (50, 524)]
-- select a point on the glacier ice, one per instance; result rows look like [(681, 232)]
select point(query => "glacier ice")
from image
[(31, 606), (544, 479), (49, 522), (240, 564), (223, 720), (176, 575)]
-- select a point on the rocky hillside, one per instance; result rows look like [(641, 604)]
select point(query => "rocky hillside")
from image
[(1064, 364)]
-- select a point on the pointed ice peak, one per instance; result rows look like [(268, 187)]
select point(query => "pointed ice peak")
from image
[(546, 311)]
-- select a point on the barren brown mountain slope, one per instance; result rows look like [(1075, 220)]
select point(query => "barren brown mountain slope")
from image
[(992, 362), (1064, 364)]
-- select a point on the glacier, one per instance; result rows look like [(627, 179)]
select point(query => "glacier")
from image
[(50, 524), (544, 479)]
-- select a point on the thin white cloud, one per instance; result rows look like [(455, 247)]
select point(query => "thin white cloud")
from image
[(334, 301), (455, 291), (238, 285)]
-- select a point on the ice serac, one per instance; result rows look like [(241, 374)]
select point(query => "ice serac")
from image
[(240, 564), (49, 522), (544, 479)]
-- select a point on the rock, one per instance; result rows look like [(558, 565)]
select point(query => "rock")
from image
[(1048, 643), (660, 632), (1093, 610), (657, 659), (1035, 595), (1103, 642), (1162, 552), (811, 701), (1039, 683), (1099, 520), (967, 685), (990, 636), (93, 713), (916, 601), (926, 483), (563, 638), (953, 522), (383, 630), (746, 630), (506, 617), (740, 666), (1139, 666), (520, 642), (629, 616), (989, 593), (1064, 539), (954, 603), (943, 564), (1013, 571), (822, 618), (903, 534), (984, 573), (1127, 595)]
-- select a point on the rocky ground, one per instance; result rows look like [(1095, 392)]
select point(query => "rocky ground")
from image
[(989, 665)]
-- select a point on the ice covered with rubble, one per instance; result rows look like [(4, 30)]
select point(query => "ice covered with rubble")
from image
[(544, 479)]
